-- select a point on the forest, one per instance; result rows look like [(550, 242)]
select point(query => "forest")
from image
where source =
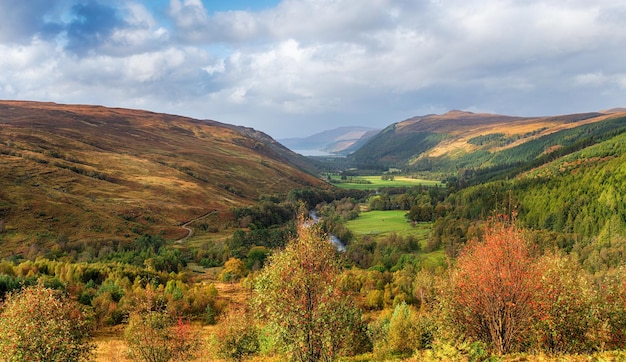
[(510, 266)]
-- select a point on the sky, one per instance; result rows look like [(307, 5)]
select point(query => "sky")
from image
[(291, 68)]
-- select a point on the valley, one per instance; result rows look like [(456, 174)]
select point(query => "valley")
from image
[(136, 216)]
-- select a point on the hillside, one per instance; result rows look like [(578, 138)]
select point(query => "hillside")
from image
[(75, 172), (455, 140), (339, 141)]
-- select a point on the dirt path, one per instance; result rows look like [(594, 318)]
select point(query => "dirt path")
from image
[(189, 229)]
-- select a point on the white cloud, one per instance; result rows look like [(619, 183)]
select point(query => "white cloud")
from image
[(323, 63)]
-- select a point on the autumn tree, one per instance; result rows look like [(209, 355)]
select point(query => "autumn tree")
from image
[(236, 335), (40, 324), (154, 335), (398, 333), (234, 269), (565, 312), (493, 288), (297, 294)]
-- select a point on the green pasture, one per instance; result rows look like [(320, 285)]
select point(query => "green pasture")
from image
[(376, 182), (380, 223)]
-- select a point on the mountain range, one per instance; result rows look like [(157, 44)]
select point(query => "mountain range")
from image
[(339, 141)]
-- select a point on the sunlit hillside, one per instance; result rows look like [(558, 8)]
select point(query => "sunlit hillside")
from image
[(455, 140), (86, 172)]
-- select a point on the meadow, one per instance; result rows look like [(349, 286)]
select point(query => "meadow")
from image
[(376, 182), (380, 223)]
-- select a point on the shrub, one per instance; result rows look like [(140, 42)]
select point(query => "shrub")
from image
[(401, 333), (40, 324), (154, 336), (565, 307), (236, 336), (234, 269)]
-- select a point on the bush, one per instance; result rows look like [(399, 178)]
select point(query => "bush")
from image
[(565, 308), (154, 336), (402, 333), (39, 324), (237, 337)]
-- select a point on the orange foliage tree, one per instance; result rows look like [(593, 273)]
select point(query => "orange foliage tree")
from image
[(493, 288)]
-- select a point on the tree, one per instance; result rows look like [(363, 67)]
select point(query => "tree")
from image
[(153, 335), (234, 269), (236, 336), (403, 335), (399, 333), (565, 312), (493, 288), (297, 294), (40, 324)]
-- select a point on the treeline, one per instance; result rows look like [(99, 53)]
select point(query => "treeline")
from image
[(573, 203), (111, 289)]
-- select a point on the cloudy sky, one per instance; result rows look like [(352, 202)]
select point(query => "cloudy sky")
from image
[(296, 67)]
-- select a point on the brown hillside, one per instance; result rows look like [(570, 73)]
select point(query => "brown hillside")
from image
[(93, 173)]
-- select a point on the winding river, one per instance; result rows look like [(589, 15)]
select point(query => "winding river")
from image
[(339, 245)]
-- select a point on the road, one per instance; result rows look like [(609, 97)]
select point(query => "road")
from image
[(189, 229)]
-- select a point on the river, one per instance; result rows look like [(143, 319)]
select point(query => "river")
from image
[(339, 245)]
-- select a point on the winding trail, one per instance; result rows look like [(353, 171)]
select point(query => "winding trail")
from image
[(189, 229)]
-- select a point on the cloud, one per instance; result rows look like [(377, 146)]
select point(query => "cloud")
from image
[(309, 65), (22, 20), (91, 26)]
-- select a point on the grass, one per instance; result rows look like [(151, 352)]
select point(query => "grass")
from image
[(381, 223), (376, 182)]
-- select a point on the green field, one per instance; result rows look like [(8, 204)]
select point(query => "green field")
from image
[(376, 182), (380, 223)]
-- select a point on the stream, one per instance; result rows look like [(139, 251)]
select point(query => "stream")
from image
[(339, 245)]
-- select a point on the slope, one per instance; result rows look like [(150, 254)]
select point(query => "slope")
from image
[(94, 173), (448, 142)]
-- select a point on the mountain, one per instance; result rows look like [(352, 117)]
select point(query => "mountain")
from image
[(84, 172), (461, 140), (338, 141)]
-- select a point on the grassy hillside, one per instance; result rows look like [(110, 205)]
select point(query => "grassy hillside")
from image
[(463, 140), (95, 173)]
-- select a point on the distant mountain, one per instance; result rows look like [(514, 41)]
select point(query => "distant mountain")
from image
[(338, 141), (458, 140), (95, 173)]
